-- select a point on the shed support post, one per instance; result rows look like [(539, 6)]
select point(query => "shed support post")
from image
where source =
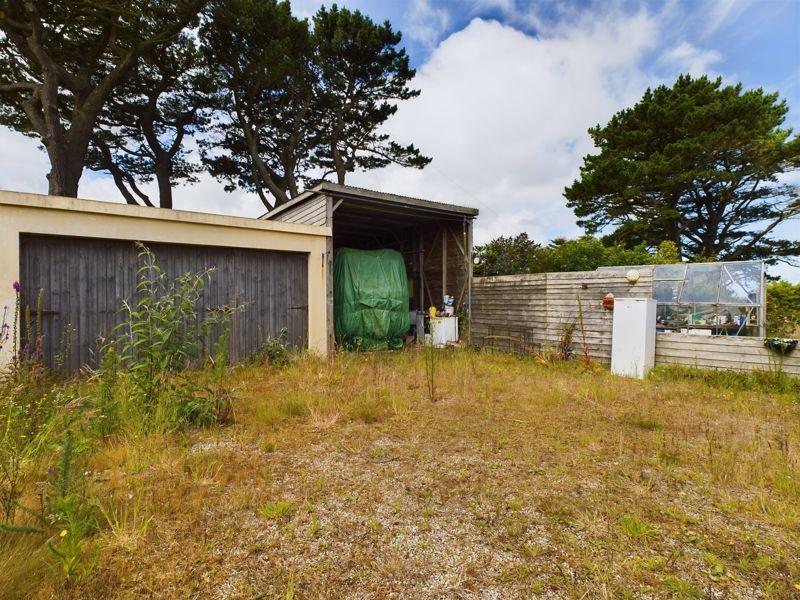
[(329, 208), (444, 261), (421, 274), (468, 223)]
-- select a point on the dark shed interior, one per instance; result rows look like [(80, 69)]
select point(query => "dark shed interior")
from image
[(434, 238)]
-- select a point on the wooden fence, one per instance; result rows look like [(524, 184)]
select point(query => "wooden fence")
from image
[(532, 312), (537, 310), (736, 354)]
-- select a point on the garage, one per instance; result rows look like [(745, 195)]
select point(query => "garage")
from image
[(84, 258), (84, 283)]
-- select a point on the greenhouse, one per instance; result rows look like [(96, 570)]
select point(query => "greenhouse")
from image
[(723, 298)]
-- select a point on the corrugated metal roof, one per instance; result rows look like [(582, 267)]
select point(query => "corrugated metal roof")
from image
[(357, 193)]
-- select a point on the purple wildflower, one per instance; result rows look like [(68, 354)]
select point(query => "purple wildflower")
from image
[(16, 286)]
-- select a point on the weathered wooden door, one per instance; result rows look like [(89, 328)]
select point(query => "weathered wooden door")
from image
[(85, 281)]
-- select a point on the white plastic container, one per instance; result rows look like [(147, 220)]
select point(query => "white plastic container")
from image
[(633, 338), (444, 330)]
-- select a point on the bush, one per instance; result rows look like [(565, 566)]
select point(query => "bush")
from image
[(783, 309)]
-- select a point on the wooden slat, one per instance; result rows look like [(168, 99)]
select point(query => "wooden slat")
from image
[(546, 303), (87, 280)]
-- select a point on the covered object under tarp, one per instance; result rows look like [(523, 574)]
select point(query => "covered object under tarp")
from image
[(370, 298), (435, 239)]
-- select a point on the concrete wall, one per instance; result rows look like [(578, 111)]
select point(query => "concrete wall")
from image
[(48, 215)]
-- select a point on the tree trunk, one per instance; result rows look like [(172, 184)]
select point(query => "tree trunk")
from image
[(164, 179), (65, 173)]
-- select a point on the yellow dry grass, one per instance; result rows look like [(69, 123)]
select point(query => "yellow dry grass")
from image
[(341, 479)]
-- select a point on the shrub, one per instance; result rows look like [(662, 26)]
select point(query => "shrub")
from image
[(274, 350), (783, 309), (67, 517)]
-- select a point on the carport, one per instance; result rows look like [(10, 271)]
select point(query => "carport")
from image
[(434, 238)]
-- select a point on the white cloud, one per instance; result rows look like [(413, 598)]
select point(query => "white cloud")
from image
[(722, 12), (426, 24), (505, 115), (687, 58)]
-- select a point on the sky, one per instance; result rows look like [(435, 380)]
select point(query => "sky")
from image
[(508, 91)]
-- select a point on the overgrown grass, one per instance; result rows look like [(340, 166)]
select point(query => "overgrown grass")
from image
[(523, 479)]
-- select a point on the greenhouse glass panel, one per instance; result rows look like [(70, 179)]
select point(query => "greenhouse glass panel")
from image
[(666, 291), (672, 316), (701, 284), (741, 283), (669, 271), (720, 298)]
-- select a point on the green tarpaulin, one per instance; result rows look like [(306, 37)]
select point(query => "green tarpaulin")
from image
[(370, 298)]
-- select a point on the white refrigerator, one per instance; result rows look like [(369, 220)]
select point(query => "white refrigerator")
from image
[(633, 338)]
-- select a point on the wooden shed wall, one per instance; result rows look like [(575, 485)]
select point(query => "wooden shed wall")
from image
[(537, 309), (455, 237), (514, 310), (311, 212)]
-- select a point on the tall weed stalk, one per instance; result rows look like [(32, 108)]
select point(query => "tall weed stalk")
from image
[(162, 338)]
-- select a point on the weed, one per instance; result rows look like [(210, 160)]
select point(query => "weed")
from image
[(162, 335), (127, 521), (28, 399), (679, 588), (636, 527), (429, 356), (646, 423), (370, 409), (274, 350), (277, 510)]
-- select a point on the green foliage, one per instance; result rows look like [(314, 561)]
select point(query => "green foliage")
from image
[(28, 399), (773, 380), (697, 164), (72, 517), (67, 517), (588, 253), (667, 254), (277, 510), (511, 256), (261, 56), (60, 62), (162, 336), (274, 350), (301, 103), (363, 75), (107, 397), (507, 256), (635, 526), (140, 134), (783, 309)]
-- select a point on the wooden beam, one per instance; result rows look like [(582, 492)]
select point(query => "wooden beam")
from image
[(455, 239), (421, 274), (444, 262)]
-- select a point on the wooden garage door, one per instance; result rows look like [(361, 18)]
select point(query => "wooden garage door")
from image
[(85, 281)]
